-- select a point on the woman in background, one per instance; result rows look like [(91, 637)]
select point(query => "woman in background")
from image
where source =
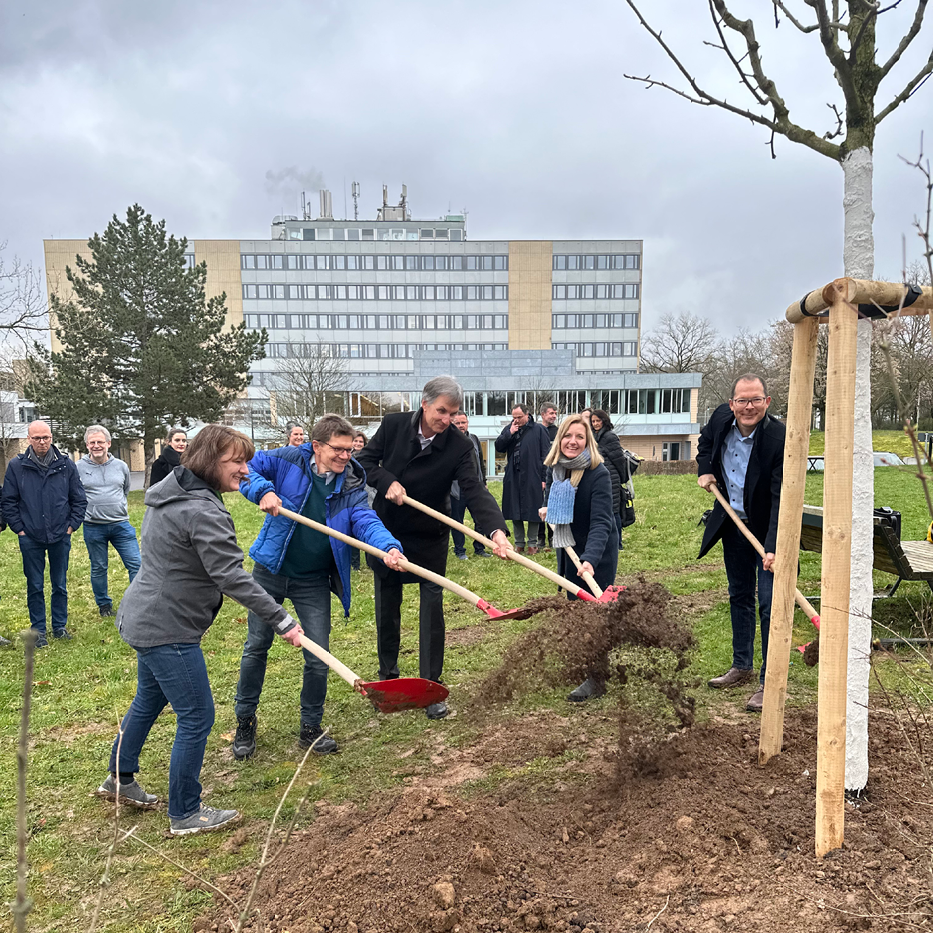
[(610, 448), (578, 504), (175, 443)]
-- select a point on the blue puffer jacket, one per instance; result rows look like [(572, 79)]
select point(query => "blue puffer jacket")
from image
[(286, 471)]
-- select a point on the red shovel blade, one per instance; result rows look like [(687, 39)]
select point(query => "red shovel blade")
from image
[(521, 613), (393, 696), (611, 593)]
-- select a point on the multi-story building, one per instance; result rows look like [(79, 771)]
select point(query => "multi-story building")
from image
[(391, 302)]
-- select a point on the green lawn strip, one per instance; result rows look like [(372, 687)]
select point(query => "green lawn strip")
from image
[(84, 686)]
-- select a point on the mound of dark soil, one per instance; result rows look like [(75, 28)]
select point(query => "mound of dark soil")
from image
[(710, 842)]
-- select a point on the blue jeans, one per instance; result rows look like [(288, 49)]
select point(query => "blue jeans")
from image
[(743, 566), (173, 674), (457, 513), (122, 536), (34, 569), (311, 599)]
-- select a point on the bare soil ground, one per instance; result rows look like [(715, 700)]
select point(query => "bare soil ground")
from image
[(556, 822)]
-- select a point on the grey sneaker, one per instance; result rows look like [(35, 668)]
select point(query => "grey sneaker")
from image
[(131, 794), (205, 820)]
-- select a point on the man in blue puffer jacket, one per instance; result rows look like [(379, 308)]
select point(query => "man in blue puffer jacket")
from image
[(293, 561)]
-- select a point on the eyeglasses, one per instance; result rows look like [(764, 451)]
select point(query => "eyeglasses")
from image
[(748, 402), (43, 437), (340, 451)]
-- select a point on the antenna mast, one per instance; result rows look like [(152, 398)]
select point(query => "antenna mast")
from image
[(355, 191)]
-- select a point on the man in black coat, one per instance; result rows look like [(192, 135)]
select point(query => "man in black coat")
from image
[(526, 444), (741, 450), (458, 504), (417, 451), (549, 423)]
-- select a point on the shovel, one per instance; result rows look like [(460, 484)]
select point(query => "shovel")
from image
[(562, 582), (600, 594), (802, 601), (388, 696), (461, 591)]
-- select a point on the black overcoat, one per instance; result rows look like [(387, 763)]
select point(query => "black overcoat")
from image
[(762, 497), (593, 529), (523, 483), (395, 453), (610, 447)]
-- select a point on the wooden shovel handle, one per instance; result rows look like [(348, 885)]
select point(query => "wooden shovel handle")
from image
[(562, 582), (590, 581), (461, 591), (338, 667), (802, 600)]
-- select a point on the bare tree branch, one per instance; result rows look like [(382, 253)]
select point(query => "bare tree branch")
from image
[(780, 123), (910, 89), (778, 5), (759, 98), (908, 37), (840, 124), (837, 58), (23, 311)]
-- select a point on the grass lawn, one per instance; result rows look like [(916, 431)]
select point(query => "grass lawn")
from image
[(83, 687)]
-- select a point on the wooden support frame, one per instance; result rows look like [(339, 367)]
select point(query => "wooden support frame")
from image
[(836, 304)]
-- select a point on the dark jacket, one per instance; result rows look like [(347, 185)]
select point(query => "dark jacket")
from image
[(163, 465), (43, 503), (394, 453), (191, 560), (286, 471), (478, 450), (523, 483), (762, 482), (593, 528), (614, 457), (551, 431)]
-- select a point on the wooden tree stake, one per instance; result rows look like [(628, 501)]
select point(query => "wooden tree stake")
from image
[(799, 412), (837, 560)]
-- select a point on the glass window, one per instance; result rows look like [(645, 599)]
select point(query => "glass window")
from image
[(382, 262), (472, 262), (602, 262), (368, 261), (427, 262), (428, 291), (487, 293), (495, 404), (456, 235), (456, 263), (559, 291), (440, 262), (487, 263), (589, 262), (501, 262), (441, 292), (573, 262), (456, 292), (411, 292), (472, 292), (411, 262), (369, 233)]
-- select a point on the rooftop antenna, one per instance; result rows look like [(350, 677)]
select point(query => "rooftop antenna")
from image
[(355, 191)]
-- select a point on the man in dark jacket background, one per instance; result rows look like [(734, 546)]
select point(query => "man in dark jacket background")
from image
[(417, 451), (458, 504), (549, 423), (526, 443), (741, 450), (44, 503)]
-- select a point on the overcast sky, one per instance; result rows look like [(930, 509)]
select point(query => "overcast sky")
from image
[(515, 111)]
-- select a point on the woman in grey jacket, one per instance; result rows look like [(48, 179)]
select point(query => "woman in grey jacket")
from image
[(190, 562)]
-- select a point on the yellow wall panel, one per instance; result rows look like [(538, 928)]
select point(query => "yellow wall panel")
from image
[(530, 294), (223, 274), (60, 254)]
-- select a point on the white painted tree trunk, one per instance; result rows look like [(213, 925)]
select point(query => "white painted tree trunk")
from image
[(859, 261)]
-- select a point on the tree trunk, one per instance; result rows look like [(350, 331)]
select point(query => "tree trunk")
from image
[(858, 260)]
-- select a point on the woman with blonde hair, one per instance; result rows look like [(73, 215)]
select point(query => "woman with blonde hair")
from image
[(578, 504)]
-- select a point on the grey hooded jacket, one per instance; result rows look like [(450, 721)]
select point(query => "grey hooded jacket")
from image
[(190, 562)]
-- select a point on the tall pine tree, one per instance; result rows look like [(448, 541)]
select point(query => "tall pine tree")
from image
[(142, 347)]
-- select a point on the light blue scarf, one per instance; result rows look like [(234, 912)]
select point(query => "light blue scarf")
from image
[(563, 494)]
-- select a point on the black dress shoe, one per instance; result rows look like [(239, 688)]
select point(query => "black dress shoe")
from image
[(311, 735), (589, 690), (437, 710)]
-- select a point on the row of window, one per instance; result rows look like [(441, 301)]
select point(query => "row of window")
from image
[(559, 321), (369, 351), (378, 292), (625, 261), (370, 233), (561, 292), (297, 261), (601, 348), (377, 321)]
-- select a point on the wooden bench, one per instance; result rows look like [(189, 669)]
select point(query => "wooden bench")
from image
[(907, 560)]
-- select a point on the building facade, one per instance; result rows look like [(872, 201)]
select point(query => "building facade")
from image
[(370, 310)]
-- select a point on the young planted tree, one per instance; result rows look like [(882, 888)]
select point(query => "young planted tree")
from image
[(845, 31), (142, 346)]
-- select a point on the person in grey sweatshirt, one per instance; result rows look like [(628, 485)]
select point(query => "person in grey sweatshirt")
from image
[(191, 560), (106, 481)]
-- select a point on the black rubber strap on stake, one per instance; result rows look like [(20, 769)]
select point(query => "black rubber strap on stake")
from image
[(804, 311), (874, 312)]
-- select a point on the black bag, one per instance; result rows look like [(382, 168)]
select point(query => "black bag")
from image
[(627, 511)]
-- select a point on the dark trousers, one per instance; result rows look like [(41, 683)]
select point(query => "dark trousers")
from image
[(34, 570), (311, 599), (389, 627), (550, 535), (458, 509), (743, 567)]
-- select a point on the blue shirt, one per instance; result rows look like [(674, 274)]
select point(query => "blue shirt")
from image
[(736, 452)]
